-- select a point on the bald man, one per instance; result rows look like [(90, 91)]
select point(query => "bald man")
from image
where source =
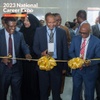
[(88, 73)]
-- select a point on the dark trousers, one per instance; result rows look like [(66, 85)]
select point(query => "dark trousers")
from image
[(50, 79), (98, 85), (30, 84), (10, 77), (88, 76)]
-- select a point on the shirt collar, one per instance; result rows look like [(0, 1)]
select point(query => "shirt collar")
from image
[(87, 38), (48, 30), (7, 34)]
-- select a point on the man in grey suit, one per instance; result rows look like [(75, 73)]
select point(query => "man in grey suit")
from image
[(59, 50), (96, 32), (11, 42)]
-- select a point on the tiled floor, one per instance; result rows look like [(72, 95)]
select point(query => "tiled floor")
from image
[(67, 90)]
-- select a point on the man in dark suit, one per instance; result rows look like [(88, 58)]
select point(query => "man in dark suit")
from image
[(96, 28), (41, 47), (11, 42), (89, 72), (96, 32), (81, 18)]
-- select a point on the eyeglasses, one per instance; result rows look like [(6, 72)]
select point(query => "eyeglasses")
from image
[(82, 33)]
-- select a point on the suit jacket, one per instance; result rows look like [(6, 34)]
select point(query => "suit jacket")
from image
[(96, 31), (19, 44), (40, 43), (93, 50)]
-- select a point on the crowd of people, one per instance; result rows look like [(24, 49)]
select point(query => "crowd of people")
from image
[(30, 38)]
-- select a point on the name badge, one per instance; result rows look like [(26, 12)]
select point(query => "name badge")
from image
[(50, 47)]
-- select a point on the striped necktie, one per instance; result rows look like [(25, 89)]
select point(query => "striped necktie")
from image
[(82, 51)]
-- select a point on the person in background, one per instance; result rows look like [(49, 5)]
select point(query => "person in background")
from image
[(75, 20), (21, 20), (11, 42), (81, 18), (85, 46), (76, 25), (30, 88), (96, 28), (44, 38), (2, 22), (96, 32), (42, 22), (67, 24), (72, 27), (58, 24), (97, 20)]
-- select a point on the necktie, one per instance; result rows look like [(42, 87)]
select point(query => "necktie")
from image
[(83, 49), (51, 39), (10, 49)]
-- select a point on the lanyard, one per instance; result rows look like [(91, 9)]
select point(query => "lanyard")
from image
[(50, 37)]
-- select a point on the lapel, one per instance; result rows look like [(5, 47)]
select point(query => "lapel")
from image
[(89, 47), (57, 37), (97, 28), (78, 45), (4, 42), (15, 40), (45, 37)]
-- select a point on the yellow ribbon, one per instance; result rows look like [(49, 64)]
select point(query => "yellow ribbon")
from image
[(76, 63), (47, 63)]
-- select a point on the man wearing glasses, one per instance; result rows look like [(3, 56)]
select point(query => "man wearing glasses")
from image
[(85, 46)]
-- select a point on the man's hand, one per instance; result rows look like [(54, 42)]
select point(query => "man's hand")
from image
[(28, 56), (87, 62), (5, 61), (44, 53), (63, 71)]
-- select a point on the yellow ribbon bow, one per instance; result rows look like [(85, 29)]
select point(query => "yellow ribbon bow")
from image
[(46, 63), (76, 63)]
